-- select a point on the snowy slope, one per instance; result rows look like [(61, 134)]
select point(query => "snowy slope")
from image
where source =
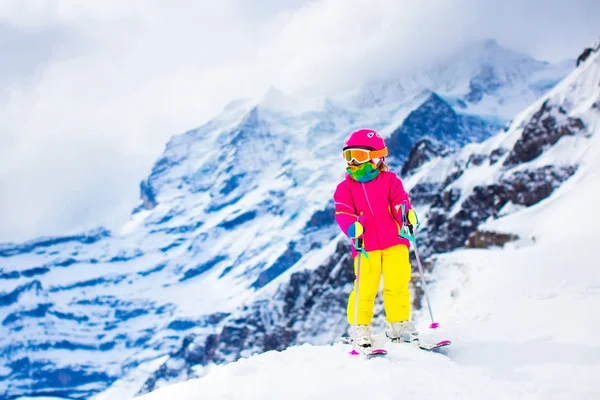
[(311, 372), (521, 317), (455, 195), (527, 312), (219, 229)]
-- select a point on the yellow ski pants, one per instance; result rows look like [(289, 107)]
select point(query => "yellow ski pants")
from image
[(394, 265)]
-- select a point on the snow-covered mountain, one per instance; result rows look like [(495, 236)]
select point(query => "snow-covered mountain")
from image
[(520, 317), (233, 248), (517, 300)]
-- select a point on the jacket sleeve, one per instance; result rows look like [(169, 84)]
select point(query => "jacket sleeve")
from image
[(345, 212), (398, 196)]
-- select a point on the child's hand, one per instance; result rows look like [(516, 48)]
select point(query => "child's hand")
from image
[(411, 215), (410, 220), (355, 230)]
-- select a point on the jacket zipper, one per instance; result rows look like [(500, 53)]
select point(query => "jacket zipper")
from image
[(371, 209), (367, 197)]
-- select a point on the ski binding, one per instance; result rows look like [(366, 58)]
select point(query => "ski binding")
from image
[(368, 352)]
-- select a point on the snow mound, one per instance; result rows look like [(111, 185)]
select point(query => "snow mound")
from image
[(329, 372)]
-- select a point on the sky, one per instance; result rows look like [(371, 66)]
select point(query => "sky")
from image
[(91, 90)]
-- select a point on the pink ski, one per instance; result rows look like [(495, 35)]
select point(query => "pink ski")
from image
[(369, 353), (433, 346), (428, 346)]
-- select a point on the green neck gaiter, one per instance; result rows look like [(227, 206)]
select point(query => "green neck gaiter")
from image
[(364, 172)]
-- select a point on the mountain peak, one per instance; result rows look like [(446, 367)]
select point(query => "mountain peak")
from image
[(480, 72), (237, 104), (491, 49), (277, 100)]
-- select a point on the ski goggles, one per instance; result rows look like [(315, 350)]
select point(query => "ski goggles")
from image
[(363, 155)]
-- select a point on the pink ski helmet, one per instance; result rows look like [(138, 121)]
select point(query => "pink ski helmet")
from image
[(364, 145), (365, 139)]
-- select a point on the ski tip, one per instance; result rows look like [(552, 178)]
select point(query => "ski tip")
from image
[(354, 353), (377, 353), (434, 346)]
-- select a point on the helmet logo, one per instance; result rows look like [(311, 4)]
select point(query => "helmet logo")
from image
[(370, 134)]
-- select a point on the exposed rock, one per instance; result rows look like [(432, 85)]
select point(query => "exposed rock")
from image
[(454, 175), (424, 193), (447, 199), (476, 159), (541, 132), (320, 219), (584, 55), (424, 150), (486, 82), (436, 119), (417, 299), (496, 154), (530, 187), (446, 233), (285, 261), (486, 239), (43, 244), (147, 196)]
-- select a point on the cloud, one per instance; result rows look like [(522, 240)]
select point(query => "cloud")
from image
[(90, 91)]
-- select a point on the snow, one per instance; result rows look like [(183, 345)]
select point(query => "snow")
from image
[(126, 388), (295, 175), (523, 319), (326, 372), (42, 398), (527, 313)]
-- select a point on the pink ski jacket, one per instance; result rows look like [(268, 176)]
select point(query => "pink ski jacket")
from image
[(378, 205)]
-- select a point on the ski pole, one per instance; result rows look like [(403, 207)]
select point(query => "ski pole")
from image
[(433, 324), (411, 238), (359, 247)]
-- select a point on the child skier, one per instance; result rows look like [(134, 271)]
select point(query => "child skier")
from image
[(369, 203)]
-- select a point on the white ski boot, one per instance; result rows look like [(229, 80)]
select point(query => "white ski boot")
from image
[(361, 336), (403, 331)]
